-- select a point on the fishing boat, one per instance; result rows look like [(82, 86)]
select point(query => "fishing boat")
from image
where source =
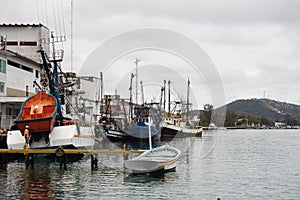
[(140, 125), (41, 123), (38, 112), (136, 126), (161, 158), (173, 125), (111, 129), (111, 120)]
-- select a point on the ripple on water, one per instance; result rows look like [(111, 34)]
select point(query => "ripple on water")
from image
[(237, 164)]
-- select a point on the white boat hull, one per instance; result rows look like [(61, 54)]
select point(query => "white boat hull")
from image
[(77, 136), (164, 157), (173, 130)]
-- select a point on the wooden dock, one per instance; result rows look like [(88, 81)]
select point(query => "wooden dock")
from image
[(69, 151), (61, 154)]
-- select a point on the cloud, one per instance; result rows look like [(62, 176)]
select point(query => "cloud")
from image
[(254, 44)]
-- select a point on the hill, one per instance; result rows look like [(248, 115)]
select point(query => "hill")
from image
[(270, 109)]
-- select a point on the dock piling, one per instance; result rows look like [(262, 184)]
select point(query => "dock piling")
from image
[(94, 162)]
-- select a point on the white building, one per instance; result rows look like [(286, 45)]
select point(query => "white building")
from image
[(20, 65), (88, 94), (26, 39), (17, 74)]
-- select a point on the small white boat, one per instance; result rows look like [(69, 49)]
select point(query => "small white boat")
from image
[(160, 158)]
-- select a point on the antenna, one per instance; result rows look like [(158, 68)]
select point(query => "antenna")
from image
[(71, 35)]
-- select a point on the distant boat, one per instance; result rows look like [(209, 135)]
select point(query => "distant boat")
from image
[(173, 125), (38, 112), (141, 124), (160, 158), (110, 128), (211, 126)]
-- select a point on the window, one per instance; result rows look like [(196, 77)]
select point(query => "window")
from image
[(27, 92), (17, 65), (12, 63), (36, 73), (2, 66), (8, 111), (2, 87), (27, 68), (28, 43), (12, 43)]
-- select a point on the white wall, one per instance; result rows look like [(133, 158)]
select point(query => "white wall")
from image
[(19, 78), (26, 33)]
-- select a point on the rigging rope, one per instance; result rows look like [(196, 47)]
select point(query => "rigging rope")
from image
[(54, 17), (58, 17), (37, 10), (62, 14), (46, 14)]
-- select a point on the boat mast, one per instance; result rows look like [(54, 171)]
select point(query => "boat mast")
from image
[(149, 132), (71, 35), (142, 91), (101, 85), (130, 98), (169, 103), (136, 79), (56, 84), (164, 97), (188, 101)]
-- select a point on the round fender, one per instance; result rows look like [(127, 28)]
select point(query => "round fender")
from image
[(59, 152)]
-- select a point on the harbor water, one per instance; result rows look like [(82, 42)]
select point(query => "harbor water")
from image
[(225, 164)]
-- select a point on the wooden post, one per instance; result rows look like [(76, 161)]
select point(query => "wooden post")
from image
[(94, 160)]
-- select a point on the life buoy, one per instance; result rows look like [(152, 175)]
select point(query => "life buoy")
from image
[(59, 152)]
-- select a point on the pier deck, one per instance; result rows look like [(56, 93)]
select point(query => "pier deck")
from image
[(68, 151)]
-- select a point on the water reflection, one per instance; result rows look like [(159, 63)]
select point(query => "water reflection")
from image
[(240, 164), (36, 184), (145, 178)]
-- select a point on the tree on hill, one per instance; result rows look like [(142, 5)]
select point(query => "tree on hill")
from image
[(205, 116), (230, 118), (290, 120)]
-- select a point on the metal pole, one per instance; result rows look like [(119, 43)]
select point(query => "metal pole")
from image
[(136, 80), (169, 104), (71, 35)]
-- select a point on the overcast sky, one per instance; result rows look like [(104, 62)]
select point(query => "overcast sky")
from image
[(254, 44)]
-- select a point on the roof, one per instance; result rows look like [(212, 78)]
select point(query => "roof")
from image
[(23, 25)]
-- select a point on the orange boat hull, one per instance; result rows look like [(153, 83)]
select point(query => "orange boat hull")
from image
[(38, 112)]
